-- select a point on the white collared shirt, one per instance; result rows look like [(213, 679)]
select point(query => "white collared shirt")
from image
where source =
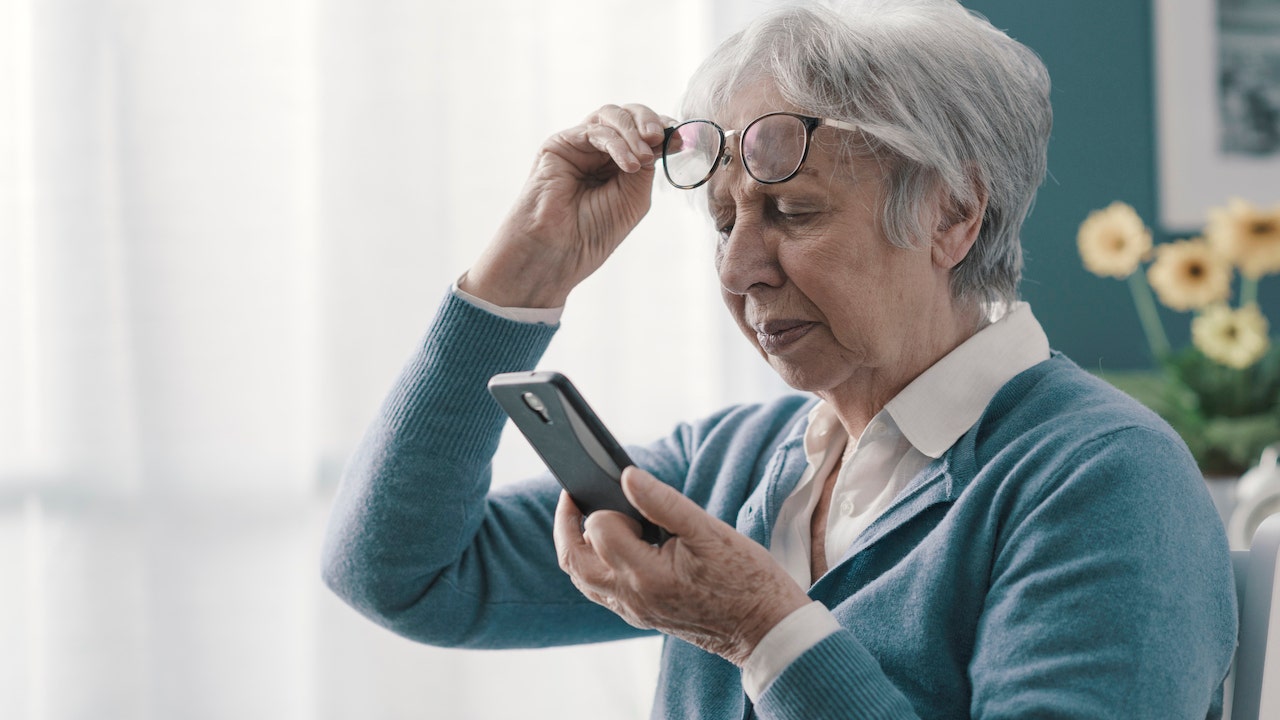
[(916, 427), (535, 316)]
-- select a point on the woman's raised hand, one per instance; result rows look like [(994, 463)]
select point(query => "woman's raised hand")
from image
[(590, 185)]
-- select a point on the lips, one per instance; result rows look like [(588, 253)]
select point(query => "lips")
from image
[(775, 336)]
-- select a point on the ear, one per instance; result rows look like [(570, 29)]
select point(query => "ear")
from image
[(957, 229)]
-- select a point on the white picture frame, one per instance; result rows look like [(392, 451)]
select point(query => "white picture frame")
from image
[(1197, 167)]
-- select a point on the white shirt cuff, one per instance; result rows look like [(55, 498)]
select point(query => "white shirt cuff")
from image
[(780, 647), (539, 316)]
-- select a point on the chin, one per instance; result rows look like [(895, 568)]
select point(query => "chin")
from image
[(801, 377)]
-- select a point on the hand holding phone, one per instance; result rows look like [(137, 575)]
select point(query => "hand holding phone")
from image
[(580, 452)]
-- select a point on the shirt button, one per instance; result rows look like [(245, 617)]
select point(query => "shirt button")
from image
[(846, 506), (876, 429)]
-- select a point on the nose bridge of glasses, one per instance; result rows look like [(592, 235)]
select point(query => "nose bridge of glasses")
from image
[(726, 154)]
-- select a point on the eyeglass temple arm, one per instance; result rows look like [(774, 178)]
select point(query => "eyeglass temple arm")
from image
[(840, 124)]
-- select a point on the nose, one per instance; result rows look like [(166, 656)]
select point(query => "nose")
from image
[(747, 259)]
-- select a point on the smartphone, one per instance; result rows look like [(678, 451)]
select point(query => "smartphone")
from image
[(580, 452)]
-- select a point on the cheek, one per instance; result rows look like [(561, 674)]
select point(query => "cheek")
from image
[(845, 291), (737, 305), (829, 277)]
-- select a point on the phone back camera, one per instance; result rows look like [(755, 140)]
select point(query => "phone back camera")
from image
[(534, 403)]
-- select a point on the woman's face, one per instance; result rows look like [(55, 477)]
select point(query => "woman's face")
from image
[(810, 278)]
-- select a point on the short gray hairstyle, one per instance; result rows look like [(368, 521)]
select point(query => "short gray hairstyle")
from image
[(945, 99)]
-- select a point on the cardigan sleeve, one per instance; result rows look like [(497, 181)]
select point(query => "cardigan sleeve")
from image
[(418, 543), (1110, 595)]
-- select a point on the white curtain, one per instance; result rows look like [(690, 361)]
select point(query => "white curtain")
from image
[(223, 226)]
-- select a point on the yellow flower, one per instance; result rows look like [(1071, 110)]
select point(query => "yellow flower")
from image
[(1188, 274), (1113, 241), (1247, 236), (1235, 338)]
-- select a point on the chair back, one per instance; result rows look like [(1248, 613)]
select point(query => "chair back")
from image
[(1259, 602)]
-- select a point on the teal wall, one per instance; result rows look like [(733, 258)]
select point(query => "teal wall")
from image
[(1099, 54)]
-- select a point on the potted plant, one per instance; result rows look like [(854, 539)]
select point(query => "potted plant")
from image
[(1222, 392)]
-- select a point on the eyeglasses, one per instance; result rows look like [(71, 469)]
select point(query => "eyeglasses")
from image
[(773, 148)]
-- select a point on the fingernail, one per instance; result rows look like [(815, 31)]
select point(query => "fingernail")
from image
[(653, 129), (637, 480)]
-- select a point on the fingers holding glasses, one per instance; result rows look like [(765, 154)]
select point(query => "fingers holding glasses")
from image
[(620, 149), (649, 124), (589, 187), (636, 125)]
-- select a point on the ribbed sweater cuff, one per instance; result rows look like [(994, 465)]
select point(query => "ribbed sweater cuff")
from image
[(445, 379), (835, 678)]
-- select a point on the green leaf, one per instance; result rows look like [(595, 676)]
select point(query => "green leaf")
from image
[(1238, 442), (1222, 391), (1221, 445)]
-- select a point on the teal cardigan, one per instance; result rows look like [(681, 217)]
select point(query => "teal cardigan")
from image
[(1062, 560)]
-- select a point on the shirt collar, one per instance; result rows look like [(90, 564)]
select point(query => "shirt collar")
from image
[(940, 405)]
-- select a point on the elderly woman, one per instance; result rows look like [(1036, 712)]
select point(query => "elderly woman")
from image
[(950, 521)]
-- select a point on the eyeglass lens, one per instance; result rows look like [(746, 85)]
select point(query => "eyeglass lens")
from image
[(691, 151), (773, 148)]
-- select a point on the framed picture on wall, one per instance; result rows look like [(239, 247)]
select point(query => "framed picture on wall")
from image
[(1218, 106)]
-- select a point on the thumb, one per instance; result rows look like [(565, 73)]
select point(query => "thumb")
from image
[(664, 505)]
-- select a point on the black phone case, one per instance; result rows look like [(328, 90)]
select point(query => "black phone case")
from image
[(580, 452)]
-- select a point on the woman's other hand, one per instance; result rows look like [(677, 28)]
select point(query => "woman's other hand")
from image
[(708, 585), (591, 184)]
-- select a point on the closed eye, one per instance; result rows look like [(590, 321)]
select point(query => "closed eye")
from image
[(790, 212), (795, 217)]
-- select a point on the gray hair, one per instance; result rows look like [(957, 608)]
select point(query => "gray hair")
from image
[(945, 99)]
